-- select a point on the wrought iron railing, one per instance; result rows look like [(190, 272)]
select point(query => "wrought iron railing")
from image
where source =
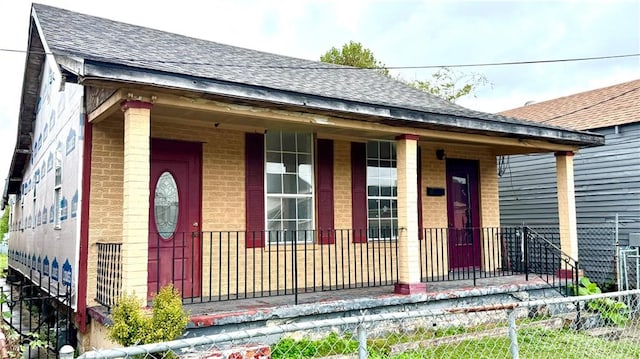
[(37, 309), (547, 260), (228, 265), (449, 254), (109, 276)]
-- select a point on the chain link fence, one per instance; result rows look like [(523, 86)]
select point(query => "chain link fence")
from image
[(592, 326)]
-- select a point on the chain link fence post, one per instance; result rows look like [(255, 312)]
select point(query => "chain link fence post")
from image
[(362, 341), (513, 335), (66, 352)]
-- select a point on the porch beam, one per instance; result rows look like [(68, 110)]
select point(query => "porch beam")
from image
[(108, 107), (135, 215), (322, 121), (566, 204), (408, 243)]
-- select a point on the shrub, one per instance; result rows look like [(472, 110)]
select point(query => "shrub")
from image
[(610, 310), (132, 325)]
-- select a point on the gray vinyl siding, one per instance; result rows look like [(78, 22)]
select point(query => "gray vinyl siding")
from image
[(607, 181)]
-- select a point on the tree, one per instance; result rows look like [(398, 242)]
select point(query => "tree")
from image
[(4, 223), (450, 84), (353, 54), (444, 83)]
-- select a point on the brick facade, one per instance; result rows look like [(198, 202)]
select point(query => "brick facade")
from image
[(223, 209)]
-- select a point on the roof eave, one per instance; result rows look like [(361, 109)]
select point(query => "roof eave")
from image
[(390, 115), (34, 60)]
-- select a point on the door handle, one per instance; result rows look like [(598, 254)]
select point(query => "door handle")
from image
[(195, 233)]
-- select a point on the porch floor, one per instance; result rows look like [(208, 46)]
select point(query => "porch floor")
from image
[(343, 300), (237, 312)]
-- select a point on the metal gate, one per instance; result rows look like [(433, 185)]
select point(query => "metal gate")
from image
[(41, 319)]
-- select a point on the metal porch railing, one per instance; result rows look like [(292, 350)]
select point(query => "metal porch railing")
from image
[(229, 265)]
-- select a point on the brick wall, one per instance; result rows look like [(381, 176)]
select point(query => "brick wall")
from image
[(435, 208), (223, 207), (223, 168), (342, 184), (105, 213)]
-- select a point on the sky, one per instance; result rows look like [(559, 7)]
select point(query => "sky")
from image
[(400, 33)]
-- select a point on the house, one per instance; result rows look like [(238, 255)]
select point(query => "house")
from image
[(606, 177), (145, 158)]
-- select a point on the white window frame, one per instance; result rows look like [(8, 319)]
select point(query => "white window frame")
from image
[(392, 233), (282, 233), (57, 188), (35, 207)]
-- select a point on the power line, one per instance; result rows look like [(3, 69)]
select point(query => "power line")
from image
[(591, 105), (504, 63)]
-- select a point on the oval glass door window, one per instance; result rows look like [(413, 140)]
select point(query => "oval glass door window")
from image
[(166, 205)]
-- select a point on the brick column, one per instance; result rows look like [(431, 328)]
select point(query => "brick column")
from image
[(566, 204), (135, 211), (408, 243)]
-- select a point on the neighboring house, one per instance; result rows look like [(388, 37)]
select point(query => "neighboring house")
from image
[(145, 158), (607, 178)]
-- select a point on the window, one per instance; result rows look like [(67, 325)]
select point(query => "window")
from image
[(289, 186), (57, 197), (382, 190), (35, 218)]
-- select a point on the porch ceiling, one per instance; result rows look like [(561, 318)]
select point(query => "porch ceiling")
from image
[(214, 114)]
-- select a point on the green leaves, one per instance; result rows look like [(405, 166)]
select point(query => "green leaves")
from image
[(450, 84), (353, 54), (132, 326), (610, 310), (4, 222), (444, 83)]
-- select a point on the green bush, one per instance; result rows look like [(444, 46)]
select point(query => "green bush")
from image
[(610, 310), (132, 325)]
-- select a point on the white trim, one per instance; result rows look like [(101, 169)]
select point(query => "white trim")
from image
[(311, 195), (379, 197)]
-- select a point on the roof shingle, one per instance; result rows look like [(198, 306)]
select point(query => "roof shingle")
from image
[(99, 39), (604, 107)]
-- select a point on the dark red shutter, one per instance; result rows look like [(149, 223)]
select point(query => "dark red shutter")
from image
[(419, 175), (254, 187), (359, 191), (325, 191)]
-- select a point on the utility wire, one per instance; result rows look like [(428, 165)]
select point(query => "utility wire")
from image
[(591, 105), (507, 63)]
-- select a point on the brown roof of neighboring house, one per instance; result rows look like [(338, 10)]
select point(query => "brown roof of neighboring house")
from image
[(603, 107)]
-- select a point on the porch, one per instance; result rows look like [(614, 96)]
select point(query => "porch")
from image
[(295, 267), (219, 317)]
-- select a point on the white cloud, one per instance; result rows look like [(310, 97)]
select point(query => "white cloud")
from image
[(399, 32)]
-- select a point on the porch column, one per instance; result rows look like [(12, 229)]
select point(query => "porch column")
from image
[(135, 208), (567, 204), (408, 243)]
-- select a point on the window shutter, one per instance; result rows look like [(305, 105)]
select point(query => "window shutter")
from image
[(254, 187), (359, 191), (325, 191), (420, 191)]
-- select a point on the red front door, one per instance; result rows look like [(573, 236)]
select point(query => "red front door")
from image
[(174, 217), (463, 214)]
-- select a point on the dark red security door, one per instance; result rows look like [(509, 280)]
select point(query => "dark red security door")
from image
[(174, 217), (463, 214)]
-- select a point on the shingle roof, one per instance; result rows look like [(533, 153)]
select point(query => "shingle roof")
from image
[(603, 107), (116, 42), (100, 39), (108, 47)]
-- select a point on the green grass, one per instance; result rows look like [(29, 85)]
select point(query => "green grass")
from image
[(533, 343), (3, 262), (538, 343)]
